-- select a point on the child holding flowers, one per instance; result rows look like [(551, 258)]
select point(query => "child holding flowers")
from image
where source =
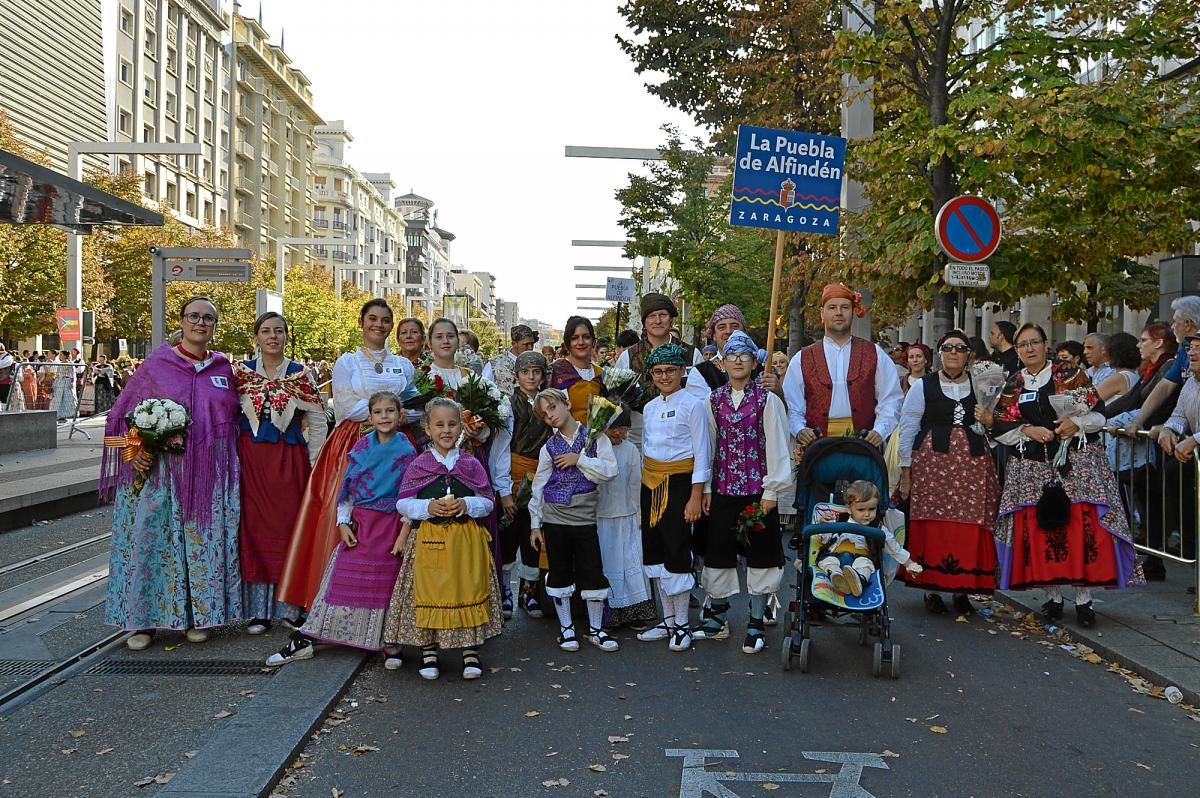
[(752, 467), (562, 512)]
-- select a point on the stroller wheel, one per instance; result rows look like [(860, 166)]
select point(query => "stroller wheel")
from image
[(785, 651), (877, 661), (895, 662), (804, 649)]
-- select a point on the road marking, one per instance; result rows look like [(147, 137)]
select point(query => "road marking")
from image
[(55, 593), (697, 782)]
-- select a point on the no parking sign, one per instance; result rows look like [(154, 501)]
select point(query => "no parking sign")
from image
[(968, 229)]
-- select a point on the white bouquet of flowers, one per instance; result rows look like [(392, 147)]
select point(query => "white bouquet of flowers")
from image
[(621, 385), (987, 380), (154, 426)]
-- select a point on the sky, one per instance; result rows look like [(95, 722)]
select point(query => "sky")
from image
[(470, 103)]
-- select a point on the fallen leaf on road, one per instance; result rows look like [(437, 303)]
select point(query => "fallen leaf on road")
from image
[(164, 778), (249, 693), (361, 749), (1135, 709), (172, 648), (961, 619), (938, 729), (599, 793), (191, 754), (533, 713), (494, 669), (552, 753), (690, 669), (144, 782), (68, 750), (77, 733), (224, 713), (1093, 658), (889, 754), (336, 793), (619, 757), (597, 768), (616, 738), (104, 751), (629, 717), (770, 785), (1147, 767), (555, 783)]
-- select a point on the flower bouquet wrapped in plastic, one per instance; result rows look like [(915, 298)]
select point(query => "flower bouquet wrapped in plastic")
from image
[(154, 426), (601, 415), (621, 385), (483, 404), (987, 380)]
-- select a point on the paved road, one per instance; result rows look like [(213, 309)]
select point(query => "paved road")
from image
[(1021, 718)]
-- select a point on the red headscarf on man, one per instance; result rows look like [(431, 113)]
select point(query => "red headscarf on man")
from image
[(839, 291)]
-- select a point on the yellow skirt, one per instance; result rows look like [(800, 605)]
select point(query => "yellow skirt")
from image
[(452, 568)]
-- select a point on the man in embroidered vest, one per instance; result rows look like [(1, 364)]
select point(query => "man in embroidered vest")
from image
[(502, 368), (841, 385)]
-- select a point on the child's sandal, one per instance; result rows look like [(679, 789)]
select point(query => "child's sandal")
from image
[(602, 639), (471, 667), (429, 663), (566, 638)]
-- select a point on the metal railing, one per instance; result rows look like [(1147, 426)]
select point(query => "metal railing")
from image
[(55, 387), (1159, 497)]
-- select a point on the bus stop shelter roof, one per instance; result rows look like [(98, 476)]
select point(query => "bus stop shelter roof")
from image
[(33, 194)]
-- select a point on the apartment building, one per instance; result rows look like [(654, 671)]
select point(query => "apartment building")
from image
[(356, 206), (427, 273), (270, 140), (51, 84), (508, 315), (487, 293), (170, 85)]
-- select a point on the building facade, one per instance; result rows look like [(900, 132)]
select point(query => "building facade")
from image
[(358, 207), (171, 84), (51, 84), (508, 315), (271, 143), (427, 273)]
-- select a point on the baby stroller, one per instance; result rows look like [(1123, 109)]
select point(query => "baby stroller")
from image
[(829, 465)]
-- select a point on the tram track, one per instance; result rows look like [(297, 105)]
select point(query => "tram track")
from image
[(50, 555)]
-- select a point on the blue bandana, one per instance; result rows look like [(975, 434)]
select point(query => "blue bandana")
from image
[(739, 343)]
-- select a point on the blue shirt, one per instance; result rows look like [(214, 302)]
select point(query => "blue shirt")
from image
[(1178, 370)]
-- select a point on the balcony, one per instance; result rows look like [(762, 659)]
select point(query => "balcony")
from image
[(245, 149), (244, 220), (339, 225), (246, 186), (333, 195), (322, 223), (245, 112), (273, 168)]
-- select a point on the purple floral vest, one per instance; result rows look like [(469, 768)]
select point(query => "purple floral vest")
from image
[(564, 484), (741, 444)]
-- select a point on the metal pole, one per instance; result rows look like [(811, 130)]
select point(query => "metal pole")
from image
[(158, 298)]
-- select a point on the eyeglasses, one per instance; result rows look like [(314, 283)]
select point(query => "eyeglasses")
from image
[(741, 357), (1030, 344), (664, 373), (962, 349), (207, 319)]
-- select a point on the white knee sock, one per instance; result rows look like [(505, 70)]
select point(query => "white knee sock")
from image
[(562, 606), (1083, 595), (1054, 593), (595, 613), (679, 608)]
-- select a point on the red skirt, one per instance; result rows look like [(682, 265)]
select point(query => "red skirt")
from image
[(316, 535), (1081, 553), (958, 557), (274, 476)]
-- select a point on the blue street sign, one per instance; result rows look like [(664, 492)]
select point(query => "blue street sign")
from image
[(787, 180)]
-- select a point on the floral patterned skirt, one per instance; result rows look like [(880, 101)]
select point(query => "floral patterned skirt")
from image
[(952, 513)]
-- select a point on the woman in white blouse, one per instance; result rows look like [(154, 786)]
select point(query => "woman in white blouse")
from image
[(949, 478), (357, 375)]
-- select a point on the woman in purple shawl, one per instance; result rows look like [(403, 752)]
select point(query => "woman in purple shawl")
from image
[(174, 558)]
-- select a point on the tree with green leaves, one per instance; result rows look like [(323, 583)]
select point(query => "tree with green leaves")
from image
[(1057, 115)]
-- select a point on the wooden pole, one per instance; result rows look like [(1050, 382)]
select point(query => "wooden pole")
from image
[(776, 279)]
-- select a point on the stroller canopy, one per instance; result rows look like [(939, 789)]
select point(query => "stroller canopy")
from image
[(829, 464)]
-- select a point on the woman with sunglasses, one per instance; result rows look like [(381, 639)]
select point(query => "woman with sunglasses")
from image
[(1058, 525), (949, 478), (357, 375), (174, 556)]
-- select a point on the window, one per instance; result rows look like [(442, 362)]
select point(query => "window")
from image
[(173, 195), (125, 72), (206, 170), (151, 44), (189, 117), (126, 22), (208, 130), (208, 213), (224, 139), (124, 122), (170, 105), (150, 185), (191, 204), (191, 74), (171, 58), (189, 163), (148, 133), (150, 90)]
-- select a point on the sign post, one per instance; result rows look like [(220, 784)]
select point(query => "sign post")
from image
[(786, 180), (968, 231), (200, 264), (67, 320)]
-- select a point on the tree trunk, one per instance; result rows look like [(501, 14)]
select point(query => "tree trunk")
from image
[(1093, 308), (796, 331)]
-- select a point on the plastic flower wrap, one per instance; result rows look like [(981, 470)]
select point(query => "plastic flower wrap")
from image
[(988, 380), (621, 385), (601, 415), (482, 403)]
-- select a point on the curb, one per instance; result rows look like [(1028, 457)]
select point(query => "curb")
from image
[(1098, 644), (246, 757)]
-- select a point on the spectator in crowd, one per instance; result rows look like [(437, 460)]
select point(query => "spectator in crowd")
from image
[(919, 360), (8, 369), (625, 340), (410, 336), (502, 368), (1185, 322), (1123, 361), (1069, 352), (1003, 352), (979, 350), (1178, 438), (1095, 354), (468, 348)]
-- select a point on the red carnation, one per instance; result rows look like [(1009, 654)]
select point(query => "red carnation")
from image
[(749, 509), (758, 527), (438, 382)]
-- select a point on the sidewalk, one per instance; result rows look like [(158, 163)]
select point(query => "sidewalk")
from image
[(47, 483), (1153, 631)]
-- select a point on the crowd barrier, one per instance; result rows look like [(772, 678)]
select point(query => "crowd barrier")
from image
[(1160, 497), (54, 387)]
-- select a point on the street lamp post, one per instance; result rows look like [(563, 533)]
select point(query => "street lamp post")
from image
[(75, 151)]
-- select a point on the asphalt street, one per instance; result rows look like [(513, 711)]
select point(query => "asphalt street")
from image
[(977, 712)]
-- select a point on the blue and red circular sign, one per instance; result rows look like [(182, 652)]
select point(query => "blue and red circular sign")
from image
[(968, 229)]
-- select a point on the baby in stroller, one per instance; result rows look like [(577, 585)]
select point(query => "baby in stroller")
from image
[(846, 558)]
